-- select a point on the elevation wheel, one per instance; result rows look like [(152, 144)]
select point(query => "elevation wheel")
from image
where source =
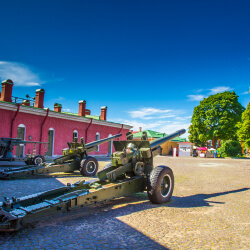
[(160, 185), (88, 166)]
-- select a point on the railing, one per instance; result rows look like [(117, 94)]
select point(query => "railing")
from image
[(20, 100)]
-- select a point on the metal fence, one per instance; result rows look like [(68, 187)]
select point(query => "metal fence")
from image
[(20, 100)]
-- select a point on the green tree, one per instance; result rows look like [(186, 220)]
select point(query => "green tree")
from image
[(244, 127), (215, 118), (230, 148)]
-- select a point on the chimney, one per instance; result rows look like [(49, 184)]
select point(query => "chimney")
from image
[(140, 128), (6, 94), (39, 98), (87, 112), (82, 108), (104, 113), (26, 103), (57, 107)]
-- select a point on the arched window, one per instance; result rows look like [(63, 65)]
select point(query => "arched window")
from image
[(75, 135), (97, 137)]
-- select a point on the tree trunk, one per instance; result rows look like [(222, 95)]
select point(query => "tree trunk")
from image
[(214, 142)]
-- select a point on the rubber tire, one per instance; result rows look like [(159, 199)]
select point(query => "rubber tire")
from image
[(109, 165), (37, 157), (154, 184), (84, 163)]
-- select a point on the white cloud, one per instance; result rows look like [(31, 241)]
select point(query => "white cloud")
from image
[(212, 91), (183, 118), (60, 98), (174, 126), (152, 113), (245, 93), (143, 125), (142, 113), (219, 89), (66, 110), (196, 97), (19, 73)]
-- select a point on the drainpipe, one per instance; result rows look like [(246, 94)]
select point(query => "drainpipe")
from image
[(13, 119), (86, 132), (41, 132), (120, 131)]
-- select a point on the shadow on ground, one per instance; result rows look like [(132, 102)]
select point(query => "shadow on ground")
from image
[(199, 200)]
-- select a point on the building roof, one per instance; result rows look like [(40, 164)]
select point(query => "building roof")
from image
[(62, 115), (150, 133), (156, 135), (95, 117)]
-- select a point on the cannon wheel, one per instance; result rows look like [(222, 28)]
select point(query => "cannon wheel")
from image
[(38, 159), (88, 166), (160, 185)]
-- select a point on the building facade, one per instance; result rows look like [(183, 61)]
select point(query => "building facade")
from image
[(34, 123), (167, 147)]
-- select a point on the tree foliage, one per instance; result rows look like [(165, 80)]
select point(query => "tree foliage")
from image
[(230, 148), (244, 127), (216, 118)]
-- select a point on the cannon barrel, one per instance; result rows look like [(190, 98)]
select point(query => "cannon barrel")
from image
[(156, 143), (96, 143)]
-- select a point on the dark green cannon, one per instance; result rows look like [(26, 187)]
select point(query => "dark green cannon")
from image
[(131, 171), (7, 146), (74, 158)]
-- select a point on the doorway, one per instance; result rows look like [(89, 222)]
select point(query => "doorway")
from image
[(51, 142), (21, 135), (110, 143)]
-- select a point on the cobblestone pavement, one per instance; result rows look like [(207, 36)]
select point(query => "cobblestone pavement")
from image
[(209, 210)]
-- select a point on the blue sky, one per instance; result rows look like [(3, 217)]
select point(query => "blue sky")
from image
[(150, 62)]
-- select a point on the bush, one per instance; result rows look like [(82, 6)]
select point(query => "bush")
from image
[(230, 148)]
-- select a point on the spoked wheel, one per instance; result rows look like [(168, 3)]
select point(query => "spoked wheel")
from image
[(160, 185), (38, 159), (88, 166)]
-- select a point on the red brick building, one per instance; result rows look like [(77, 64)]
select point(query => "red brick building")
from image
[(34, 123)]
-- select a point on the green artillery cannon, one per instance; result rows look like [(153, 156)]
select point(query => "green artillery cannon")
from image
[(7, 145), (74, 158), (131, 171)]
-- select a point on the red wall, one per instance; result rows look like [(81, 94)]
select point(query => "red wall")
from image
[(63, 131)]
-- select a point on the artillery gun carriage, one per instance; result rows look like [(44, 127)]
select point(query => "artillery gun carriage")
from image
[(130, 171), (74, 158), (7, 146)]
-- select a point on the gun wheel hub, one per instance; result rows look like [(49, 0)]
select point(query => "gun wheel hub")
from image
[(91, 167), (165, 185)]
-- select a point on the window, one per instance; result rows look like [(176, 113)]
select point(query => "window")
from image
[(75, 135)]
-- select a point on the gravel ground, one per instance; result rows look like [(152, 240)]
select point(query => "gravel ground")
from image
[(209, 210)]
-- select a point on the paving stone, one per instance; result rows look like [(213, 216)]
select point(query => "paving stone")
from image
[(209, 210)]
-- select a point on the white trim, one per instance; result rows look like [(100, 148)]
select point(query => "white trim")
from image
[(43, 112)]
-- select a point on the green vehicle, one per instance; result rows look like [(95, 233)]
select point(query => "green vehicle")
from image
[(130, 171)]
